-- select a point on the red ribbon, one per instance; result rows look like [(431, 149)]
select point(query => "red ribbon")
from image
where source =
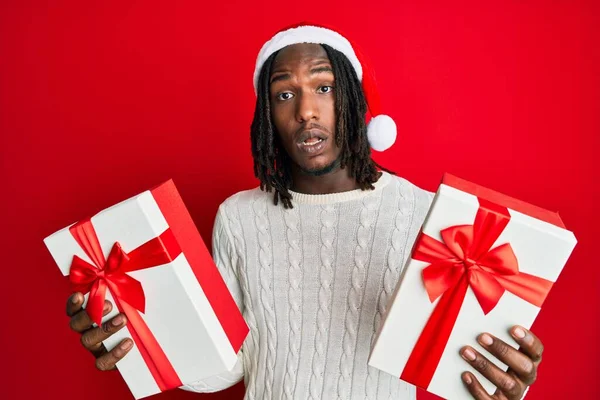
[(464, 259), (127, 292)]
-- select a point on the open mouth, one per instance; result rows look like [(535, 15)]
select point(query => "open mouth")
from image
[(313, 141), (312, 146)]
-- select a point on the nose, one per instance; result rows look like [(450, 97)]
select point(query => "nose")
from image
[(306, 108)]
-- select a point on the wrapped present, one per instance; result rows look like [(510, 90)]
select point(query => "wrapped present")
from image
[(482, 262), (146, 256)]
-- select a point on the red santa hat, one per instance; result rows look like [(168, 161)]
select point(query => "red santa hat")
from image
[(381, 130)]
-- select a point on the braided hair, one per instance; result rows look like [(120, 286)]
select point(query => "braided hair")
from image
[(272, 165)]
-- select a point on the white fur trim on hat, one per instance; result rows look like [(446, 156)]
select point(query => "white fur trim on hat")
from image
[(381, 132), (306, 34)]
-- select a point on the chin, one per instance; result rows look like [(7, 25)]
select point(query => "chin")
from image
[(319, 168)]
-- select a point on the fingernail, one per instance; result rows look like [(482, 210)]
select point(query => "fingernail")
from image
[(118, 320), (75, 298), (469, 355), (486, 339), (127, 344), (519, 333), (467, 379)]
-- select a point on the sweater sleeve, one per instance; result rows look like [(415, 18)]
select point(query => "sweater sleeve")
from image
[(226, 259)]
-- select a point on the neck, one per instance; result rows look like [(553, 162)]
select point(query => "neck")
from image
[(336, 181)]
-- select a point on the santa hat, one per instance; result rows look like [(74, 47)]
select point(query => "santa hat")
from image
[(381, 130)]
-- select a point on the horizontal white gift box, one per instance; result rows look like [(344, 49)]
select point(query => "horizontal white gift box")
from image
[(541, 245), (188, 307)]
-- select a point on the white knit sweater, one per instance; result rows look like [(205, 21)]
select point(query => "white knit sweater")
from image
[(313, 283)]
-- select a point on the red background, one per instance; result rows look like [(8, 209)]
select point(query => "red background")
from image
[(101, 100)]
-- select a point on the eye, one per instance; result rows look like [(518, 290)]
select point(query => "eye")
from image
[(325, 89), (284, 96)]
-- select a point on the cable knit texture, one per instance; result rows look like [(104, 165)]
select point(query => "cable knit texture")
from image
[(356, 291), (292, 221), (313, 284), (329, 220)]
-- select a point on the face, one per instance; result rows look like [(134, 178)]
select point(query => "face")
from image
[(303, 107)]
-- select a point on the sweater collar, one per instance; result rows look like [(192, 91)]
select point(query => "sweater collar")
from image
[(332, 198)]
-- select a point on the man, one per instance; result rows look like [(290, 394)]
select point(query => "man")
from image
[(312, 256)]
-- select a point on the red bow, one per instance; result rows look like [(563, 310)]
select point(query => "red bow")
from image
[(464, 259), (110, 273), (461, 253)]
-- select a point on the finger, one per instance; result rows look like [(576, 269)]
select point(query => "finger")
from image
[(109, 360), (74, 303), (93, 338), (530, 344), (474, 387), (499, 395), (81, 321), (502, 380), (518, 362)]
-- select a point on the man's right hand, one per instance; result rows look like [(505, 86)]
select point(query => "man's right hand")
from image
[(92, 337)]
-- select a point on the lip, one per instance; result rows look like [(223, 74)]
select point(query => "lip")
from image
[(312, 150), (309, 134)]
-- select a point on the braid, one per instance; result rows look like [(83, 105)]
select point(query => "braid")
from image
[(272, 165)]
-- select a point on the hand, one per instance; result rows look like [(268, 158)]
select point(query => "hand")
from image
[(92, 337), (522, 363)]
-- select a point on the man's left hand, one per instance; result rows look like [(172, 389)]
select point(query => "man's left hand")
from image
[(522, 363)]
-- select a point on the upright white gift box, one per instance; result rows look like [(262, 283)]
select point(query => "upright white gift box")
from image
[(188, 308), (541, 245)]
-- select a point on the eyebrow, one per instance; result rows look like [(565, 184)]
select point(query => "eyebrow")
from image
[(313, 71), (281, 77), (318, 70)]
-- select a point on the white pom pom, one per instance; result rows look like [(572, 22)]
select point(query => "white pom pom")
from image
[(381, 132)]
